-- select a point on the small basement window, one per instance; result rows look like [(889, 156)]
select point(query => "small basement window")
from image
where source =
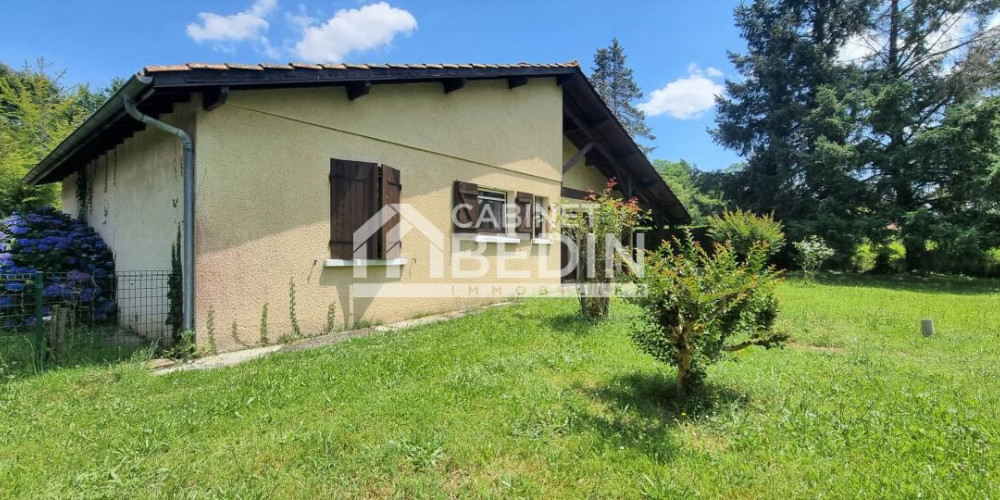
[(491, 213)]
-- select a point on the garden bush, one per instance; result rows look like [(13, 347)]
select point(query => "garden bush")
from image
[(603, 220), (699, 306), (812, 252), (79, 265), (745, 229)]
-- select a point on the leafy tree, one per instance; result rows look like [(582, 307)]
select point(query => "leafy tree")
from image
[(685, 180), (927, 130), (700, 306), (849, 112), (36, 113), (612, 79), (787, 116)]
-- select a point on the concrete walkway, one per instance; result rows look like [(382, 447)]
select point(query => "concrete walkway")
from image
[(165, 366)]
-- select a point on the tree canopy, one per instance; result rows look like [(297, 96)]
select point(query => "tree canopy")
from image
[(868, 119), (36, 113)]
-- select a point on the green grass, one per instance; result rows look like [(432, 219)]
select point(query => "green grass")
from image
[(84, 346), (530, 401)]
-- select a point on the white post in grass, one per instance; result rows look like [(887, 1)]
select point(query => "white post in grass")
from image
[(927, 327)]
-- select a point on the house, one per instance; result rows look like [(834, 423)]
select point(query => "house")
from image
[(290, 161)]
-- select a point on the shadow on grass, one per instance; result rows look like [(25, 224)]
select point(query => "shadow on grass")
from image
[(573, 323), (957, 285), (645, 409), (653, 395)]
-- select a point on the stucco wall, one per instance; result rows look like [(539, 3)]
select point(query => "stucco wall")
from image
[(134, 203), (582, 176), (263, 214)]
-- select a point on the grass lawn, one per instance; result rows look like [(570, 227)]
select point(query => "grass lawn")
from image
[(530, 401)]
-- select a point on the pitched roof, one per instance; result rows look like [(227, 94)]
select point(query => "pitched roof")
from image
[(157, 88)]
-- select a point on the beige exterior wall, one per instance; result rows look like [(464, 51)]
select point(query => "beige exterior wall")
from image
[(582, 176), (134, 203), (263, 208)]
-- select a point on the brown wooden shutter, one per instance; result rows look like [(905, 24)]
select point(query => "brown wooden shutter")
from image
[(466, 196), (525, 209), (353, 200), (391, 188)]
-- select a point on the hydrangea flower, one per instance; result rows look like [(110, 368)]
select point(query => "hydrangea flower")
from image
[(70, 253)]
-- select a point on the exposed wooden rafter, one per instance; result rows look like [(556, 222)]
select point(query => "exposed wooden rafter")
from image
[(578, 156), (213, 97), (358, 89), (595, 138), (516, 81), (452, 84)]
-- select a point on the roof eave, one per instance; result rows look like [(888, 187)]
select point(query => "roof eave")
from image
[(102, 118)]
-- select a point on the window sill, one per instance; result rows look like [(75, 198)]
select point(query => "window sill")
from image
[(495, 238), (364, 262), (541, 241)]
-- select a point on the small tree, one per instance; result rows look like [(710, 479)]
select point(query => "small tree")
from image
[(745, 229), (594, 229), (699, 306), (812, 253)]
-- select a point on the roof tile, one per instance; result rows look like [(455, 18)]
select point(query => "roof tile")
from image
[(214, 66), (252, 67), (168, 67), (275, 66), (299, 65)]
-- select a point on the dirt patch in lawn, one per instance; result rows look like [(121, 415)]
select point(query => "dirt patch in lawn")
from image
[(817, 348)]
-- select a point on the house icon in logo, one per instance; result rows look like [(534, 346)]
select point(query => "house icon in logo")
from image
[(392, 222)]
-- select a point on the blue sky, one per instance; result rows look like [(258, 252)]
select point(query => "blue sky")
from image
[(676, 48)]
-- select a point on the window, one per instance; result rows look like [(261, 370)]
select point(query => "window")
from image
[(540, 215), (491, 212), (359, 191)]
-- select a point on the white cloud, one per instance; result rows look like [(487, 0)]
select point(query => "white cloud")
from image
[(857, 49), (247, 25), (300, 19), (350, 30), (687, 97), (955, 31)]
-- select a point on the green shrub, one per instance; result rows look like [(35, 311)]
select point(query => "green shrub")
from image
[(812, 252), (603, 218), (992, 262), (863, 257), (890, 258), (745, 229), (699, 306)]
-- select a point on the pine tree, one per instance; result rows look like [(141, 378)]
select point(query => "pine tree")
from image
[(613, 81), (786, 117), (928, 123), (864, 146)]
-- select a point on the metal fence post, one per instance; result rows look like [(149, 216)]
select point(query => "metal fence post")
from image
[(39, 324)]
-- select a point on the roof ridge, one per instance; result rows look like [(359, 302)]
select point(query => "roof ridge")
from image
[(344, 66)]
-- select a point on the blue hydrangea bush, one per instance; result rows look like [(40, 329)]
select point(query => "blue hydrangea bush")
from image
[(78, 265)]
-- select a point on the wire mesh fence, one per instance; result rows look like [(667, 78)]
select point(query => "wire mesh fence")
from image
[(50, 319)]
